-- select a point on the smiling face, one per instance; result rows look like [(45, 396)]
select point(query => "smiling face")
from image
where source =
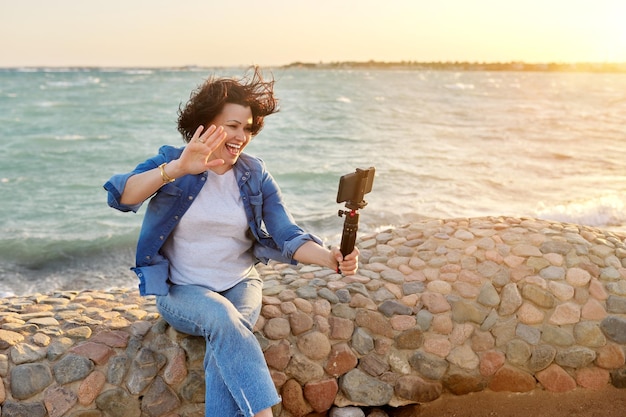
[(237, 122)]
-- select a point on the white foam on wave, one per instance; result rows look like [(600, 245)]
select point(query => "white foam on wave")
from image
[(604, 211)]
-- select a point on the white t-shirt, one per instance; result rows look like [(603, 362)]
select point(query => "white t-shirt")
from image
[(209, 246)]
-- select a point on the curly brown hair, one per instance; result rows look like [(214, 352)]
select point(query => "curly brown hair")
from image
[(208, 100)]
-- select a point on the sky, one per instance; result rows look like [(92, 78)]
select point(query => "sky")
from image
[(157, 33)]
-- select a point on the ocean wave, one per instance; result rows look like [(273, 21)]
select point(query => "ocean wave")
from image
[(604, 211)]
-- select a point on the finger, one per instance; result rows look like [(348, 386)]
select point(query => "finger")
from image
[(207, 134), (197, 133)]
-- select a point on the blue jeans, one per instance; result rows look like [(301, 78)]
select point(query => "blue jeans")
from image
[(238, 382)]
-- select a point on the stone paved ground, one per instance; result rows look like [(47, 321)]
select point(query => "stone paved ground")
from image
[(439, 308)]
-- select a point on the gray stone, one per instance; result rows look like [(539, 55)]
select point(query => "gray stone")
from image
[(343, 295), (488, 295), (72, 368), (29, 379), (25, 353), (559, 336), (463, 311), (327, 294), (346, 412), (393, 307), (429, 365), (575, 357), (589, 334), (363, 389), (159, 399), (511, 299), (424, 319), (117, 403), (553, 273), (518, 352), (303, 369), (14, 409), (117, 369), (382, 294), (614, 328), (362, 342), (556, 246), (527, 333), (413, 287), (392, 275), (143, 369), (193, 388), (616, 305), (541, 357), (307, 292)]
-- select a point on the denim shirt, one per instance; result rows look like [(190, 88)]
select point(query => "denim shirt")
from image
[(276, 235)]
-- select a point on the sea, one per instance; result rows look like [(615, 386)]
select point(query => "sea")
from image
[(443, 144)]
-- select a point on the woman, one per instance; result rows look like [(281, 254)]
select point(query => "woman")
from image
[(214, 212)]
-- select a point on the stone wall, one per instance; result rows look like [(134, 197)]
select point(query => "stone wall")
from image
[(442, 307)]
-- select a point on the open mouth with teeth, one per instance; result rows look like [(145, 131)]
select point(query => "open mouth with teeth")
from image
[(233, 148)]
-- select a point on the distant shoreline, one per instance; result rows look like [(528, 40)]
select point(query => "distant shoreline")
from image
[(606, 67), (519, 66)]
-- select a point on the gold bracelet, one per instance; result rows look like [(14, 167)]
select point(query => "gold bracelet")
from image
[(166, 178)]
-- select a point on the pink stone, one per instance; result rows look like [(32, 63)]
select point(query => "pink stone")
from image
[(340, 328), (513, 261), (593, 310), (361, 301), (271, 311), (91, 387), (277, 356), (176, 369), (97, 352), (610, 356), (461, 333), (555, 259), (442, 324), (303, 305), (58, 401), (375, 322), (493, 255), (114, 339), (529, 314), (490, 362), (482, 341), (593, 378), (466, 290), (322, 307), (561, 291), (435, 303), (450, 269), (341, 360), (321, 324), (321, 395), (288, 307), (415, 276), (470, 277), (556, 379), (405, 269), (277, 328), (314, 345), (3, 394), (439, 286), (567, 313), (437, 345), (300, 322), (400, 322), (577, 277), (394, 289), (597, 291)]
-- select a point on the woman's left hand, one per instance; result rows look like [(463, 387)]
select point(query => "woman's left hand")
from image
[(349, 264)]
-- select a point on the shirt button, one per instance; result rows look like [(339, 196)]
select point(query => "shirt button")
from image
[(161, 237), (190, 198)]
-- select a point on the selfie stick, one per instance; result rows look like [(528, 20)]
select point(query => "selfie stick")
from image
[(352, 188)]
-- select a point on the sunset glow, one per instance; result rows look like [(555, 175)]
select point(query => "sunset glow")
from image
[(197, 32)]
